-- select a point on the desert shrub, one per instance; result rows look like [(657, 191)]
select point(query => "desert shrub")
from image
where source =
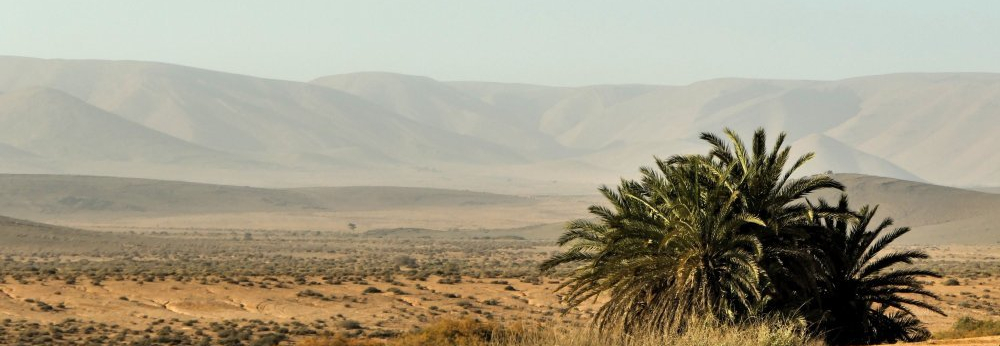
[(339, 340), (384, 334), (349, 324), (371, 290), (968, 327), (309, 293), (450, 280), (44, 306), (450, 332), (951, 282), (269, 340), (405, 261)]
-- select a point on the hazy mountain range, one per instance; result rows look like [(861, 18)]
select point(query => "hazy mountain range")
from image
[(154, 120)]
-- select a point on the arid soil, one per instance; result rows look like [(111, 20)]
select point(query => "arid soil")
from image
[(400, 305)]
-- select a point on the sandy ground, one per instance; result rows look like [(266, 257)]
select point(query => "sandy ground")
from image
[(971, 298), (135, 304)]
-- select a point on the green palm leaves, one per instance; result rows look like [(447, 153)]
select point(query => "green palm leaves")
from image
[(862, 300), (670, 247), (728, 236)]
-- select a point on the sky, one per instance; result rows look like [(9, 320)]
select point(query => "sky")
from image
[(570, 43)]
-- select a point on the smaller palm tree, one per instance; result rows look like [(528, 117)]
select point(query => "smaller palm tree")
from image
[(866, 297)]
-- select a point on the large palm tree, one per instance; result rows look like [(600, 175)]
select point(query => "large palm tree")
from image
[(669, 248), (769, 190), (866, 298)]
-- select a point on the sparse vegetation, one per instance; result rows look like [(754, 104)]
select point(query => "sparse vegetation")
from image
[(302, 267), (505, 268)]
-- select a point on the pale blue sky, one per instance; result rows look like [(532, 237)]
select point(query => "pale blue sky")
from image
[(546, 42)]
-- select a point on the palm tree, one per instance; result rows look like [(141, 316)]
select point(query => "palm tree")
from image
[(769, 191), (729, 235), (602, 248), (669, 250), (862, 301)]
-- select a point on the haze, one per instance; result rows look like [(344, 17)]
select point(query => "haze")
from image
[(505, 173), (567, 43)]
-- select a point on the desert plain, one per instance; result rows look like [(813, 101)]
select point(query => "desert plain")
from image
[(113, 260)]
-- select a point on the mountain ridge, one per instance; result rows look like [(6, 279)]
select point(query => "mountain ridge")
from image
[(377, 128)]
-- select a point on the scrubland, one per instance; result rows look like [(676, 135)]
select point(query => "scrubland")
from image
[(260, 287)]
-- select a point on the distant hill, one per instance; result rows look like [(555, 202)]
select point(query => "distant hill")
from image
[(988, 189), (935, 126), (440, 105), (163, 121), (47, 123), (48, 196), (269, 119), (834, 153), (24, 236), (937, 214)]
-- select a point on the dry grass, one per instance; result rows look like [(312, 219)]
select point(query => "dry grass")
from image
[(468, 332), (338, 341), (759, 334), (968, 327)]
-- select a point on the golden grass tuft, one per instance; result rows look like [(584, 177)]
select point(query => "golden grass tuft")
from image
[(338, 341)]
